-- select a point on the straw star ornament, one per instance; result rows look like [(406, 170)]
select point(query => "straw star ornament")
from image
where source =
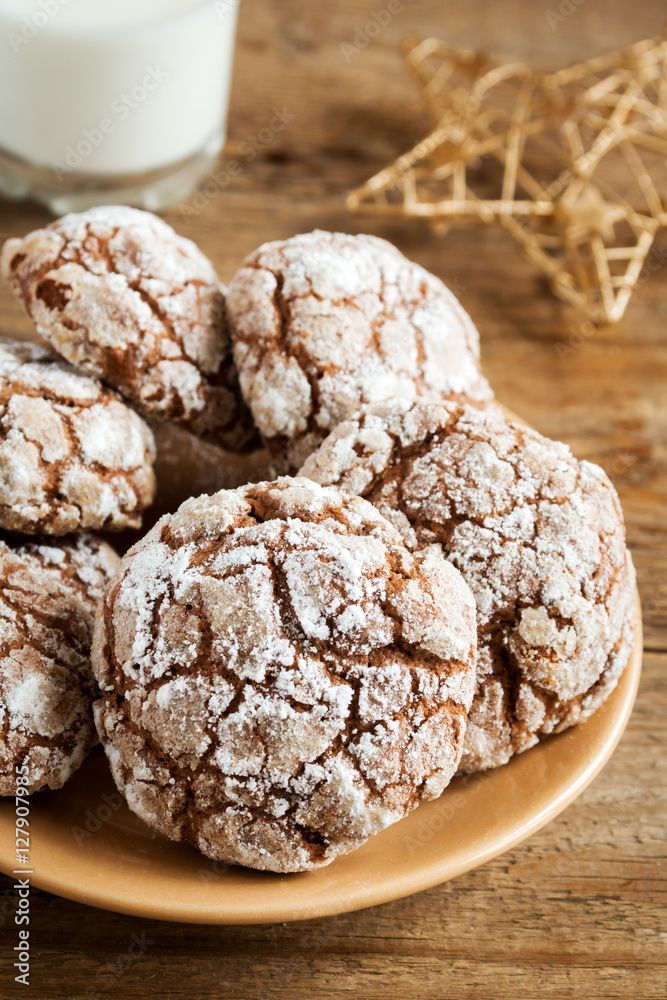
[(573, 164)]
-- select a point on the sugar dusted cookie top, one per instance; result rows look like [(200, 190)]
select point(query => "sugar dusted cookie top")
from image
[(49, 590), (324, 322), (280, 677), (119, 294), (72, 454), (539, 538)]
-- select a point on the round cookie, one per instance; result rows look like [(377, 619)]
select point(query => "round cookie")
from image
[(324, 322), (119, 294), (48, 594), (539, 538), (72, 455), (280, 677)]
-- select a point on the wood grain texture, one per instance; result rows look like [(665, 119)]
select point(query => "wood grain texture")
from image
[(580, 909)]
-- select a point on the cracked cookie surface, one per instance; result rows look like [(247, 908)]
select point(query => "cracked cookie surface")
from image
[(118, 293), (281, 678), (323, 323), (539, 538), (72, 454), (48, 594)]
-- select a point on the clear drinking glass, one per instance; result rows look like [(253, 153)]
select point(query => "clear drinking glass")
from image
[(105, 101)]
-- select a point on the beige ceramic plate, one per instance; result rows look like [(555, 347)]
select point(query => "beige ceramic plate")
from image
[(86, 844)]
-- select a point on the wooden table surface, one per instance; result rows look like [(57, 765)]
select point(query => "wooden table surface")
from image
[(579, 909)]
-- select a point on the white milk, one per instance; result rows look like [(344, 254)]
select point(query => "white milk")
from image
[(110, 89)]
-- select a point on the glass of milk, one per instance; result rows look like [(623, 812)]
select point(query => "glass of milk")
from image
[(106, 101)]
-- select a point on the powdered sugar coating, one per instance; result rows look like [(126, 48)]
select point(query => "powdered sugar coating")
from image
[(280, 677), (539, 538), (72, 455), (119, 294), (48, 594), (324, 322)]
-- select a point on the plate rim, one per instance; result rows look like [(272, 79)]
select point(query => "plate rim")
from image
[(421, 878)]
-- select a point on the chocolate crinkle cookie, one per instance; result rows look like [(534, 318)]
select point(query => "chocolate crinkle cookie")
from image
[(280, 676), (48, 594), (119, 294), (72, 454), (537, 535), (324, 322)]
